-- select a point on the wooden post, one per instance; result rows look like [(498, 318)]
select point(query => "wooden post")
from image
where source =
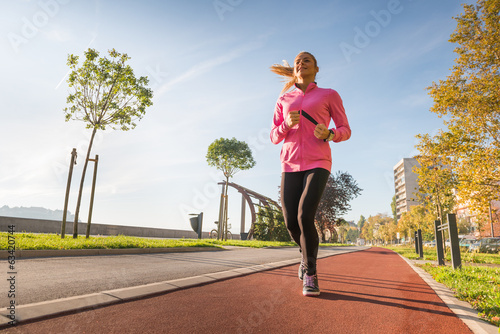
[(416, 242), (420, 244), (439, 242), (225, 215), (221, 216), (96, 160), (68, 186), (243, 213), (456, 261)]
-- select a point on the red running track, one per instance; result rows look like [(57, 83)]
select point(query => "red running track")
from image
[(371, 291)]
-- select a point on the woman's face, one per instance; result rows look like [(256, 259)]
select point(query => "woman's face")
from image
[(305, 66)]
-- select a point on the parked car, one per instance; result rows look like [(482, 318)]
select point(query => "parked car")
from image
[(486, 245), (466, 242), (430, 243)]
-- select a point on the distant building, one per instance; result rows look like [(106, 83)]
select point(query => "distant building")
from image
[(405, 185), (489, 228)]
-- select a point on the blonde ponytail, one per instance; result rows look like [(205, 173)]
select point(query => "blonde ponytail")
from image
[(286, 71)]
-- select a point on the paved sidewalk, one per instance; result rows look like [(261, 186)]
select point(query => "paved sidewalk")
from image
[(370, 291)]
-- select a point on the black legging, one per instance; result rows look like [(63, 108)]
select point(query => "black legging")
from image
[(300, 196)]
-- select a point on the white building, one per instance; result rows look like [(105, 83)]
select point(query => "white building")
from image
[(405, 185)]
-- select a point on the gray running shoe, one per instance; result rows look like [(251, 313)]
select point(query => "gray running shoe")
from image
[(311, 287), (302, 269)]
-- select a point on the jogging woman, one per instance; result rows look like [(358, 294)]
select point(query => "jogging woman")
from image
[(301, 119)]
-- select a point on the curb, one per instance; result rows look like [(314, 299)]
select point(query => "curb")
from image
[(462, 310), (46, 309)]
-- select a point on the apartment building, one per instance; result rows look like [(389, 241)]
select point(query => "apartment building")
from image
[(405, 185)]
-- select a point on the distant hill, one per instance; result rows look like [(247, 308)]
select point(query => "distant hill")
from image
[(35, 213)]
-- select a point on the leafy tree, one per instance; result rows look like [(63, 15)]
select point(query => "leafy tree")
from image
[(417, 218), (342, 230), (436, 178), (366, 232), (339, 191), (352, 235), (372, 228), (394, 209), (469, 101), (406, 225), (361, 222), (229, 156), (387, 232), (105, 93), (270, 225)]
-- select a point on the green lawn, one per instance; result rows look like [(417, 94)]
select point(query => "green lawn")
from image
[(478, 285), (32, 241)]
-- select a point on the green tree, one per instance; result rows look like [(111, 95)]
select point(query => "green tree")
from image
[(352, 235), (374, 231), (342, 230), (105, 94), (366, 232), (270, 225), (406, 226), (419, 217), (339, 191), (436, 180), (228, 156), (469, 102), (394, 209), (361, 222)]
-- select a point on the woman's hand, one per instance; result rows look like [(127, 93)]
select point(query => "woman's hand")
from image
[(292, 118), (321, 131)]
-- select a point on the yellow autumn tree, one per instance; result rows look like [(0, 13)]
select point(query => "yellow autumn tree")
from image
[(417, 218), (436, 179), (373, 230), (469, 102)]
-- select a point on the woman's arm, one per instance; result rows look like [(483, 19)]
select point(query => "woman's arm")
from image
[(281, 125), (342, 129)]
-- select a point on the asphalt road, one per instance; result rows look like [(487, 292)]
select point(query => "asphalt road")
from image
[(42, 279)]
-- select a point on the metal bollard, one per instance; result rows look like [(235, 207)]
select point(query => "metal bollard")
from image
[(416, 242), (420, 244), (456, 261), (439, 243)]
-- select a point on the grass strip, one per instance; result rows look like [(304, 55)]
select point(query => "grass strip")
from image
[(33, 241), (477, 285)]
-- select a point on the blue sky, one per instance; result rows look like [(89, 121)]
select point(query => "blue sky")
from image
[(208, 64)]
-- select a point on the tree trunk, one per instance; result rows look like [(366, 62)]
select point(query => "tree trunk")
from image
[(80, 191), (225, 210)]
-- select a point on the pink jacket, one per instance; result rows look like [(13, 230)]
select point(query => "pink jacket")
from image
[(302, 150)]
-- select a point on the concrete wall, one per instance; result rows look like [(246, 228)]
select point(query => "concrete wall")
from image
[(54, 226)]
